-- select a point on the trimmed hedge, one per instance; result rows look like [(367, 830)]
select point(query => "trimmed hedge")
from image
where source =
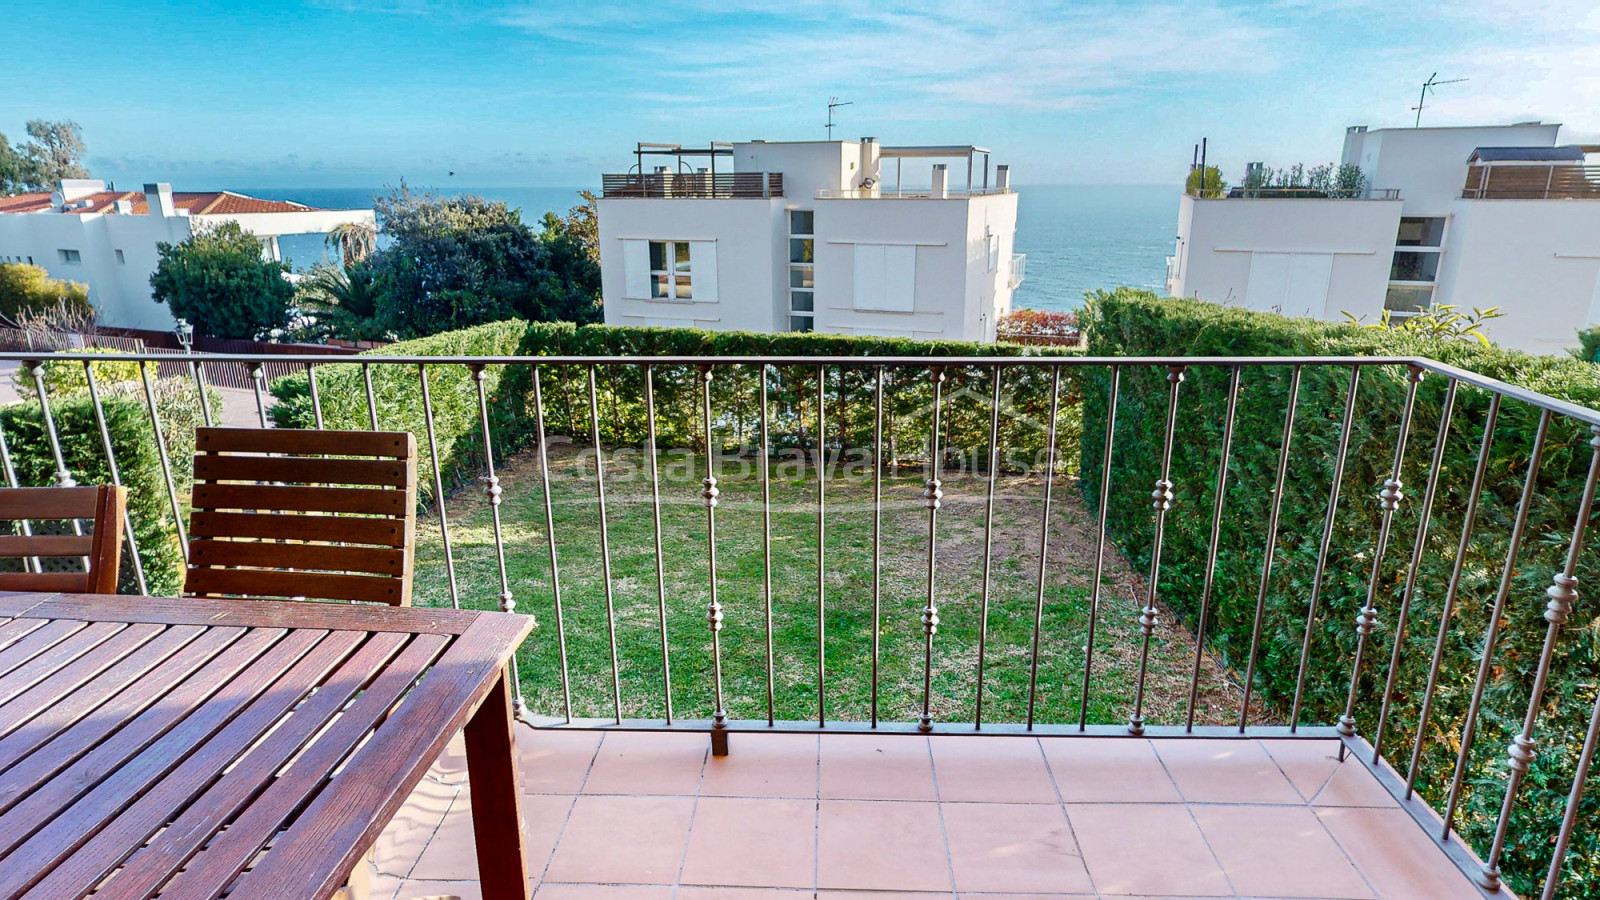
[(1132, 323), (398, 391), (138, 462), (620, 394)]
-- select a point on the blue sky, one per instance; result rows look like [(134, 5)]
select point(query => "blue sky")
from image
[(361, 92)]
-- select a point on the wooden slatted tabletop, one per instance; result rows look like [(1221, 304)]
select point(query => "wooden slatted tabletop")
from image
[(195, 749)]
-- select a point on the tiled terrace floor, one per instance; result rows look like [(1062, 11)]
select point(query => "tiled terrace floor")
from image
[(789, 816)]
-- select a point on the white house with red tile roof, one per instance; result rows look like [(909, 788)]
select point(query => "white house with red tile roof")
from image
[(85, 232)]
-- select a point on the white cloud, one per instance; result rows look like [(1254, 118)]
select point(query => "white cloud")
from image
[(1007, 55)]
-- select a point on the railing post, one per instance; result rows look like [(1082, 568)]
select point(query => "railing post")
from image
[(932, 496), (438, 484), (1044, 538), (1562, 594), (1161, 499), (821, 462), (1100, 544), (1389, 500), (988, 540), (63, 476), (257, 378), (1218, 503), (116, 475), (1272, 545), (655, 519), (550, 538), (491, 489), (31, 563), (709, 494), (166, 466), (605, 545)]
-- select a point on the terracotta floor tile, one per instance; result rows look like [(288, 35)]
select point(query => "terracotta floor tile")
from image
[(1013, 847), (1394, 854), (1353, 785), (699, 892), (554, 762), (451, 766), (601, 892), (409, 832), (1108, 771), (1146, 849), (887, 895), (1225, 771), (881, 845), (648, 763), (1279, 851), (740, 841), (876, 767), (1308, 763), (764, 765), (415, 890), (631, 840), (452, 854), (1000, 769)]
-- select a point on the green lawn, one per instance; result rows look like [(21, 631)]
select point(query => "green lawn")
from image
[(848, 606)]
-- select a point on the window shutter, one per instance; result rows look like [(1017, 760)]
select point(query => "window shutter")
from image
[(636, 269), (703, 270), (900, 278), (869, 279)]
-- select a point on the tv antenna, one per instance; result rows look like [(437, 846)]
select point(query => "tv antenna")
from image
[(1427, 86), (833, 103)]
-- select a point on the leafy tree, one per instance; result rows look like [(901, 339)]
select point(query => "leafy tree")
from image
[(55, 152), (218, 280), (455, 262), (1214, 185), (345, 302), (29, 291), (13, 170)]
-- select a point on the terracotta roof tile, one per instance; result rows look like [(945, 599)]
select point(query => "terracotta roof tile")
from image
[(198, 203)]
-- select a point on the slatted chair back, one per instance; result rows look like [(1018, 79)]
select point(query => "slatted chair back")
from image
[(31, 507), (284, 513)]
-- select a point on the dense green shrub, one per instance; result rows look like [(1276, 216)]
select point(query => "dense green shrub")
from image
[(1129, 323), (27, 291), (138, 462)]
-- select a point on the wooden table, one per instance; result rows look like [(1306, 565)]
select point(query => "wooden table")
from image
[(133, 729)]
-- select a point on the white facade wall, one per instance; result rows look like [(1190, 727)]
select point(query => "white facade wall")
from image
[(749, 242), (1538, 260), (120, 289), (926, 263), (1353, 240)]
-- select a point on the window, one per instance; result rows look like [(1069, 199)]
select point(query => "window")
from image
[(120, 260), (1414, 266), (1407, 301), (802, 269), (670, 275), (1420, 231), (993, 241), (71, 257)]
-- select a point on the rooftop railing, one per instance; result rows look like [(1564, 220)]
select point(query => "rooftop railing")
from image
[(882, 193), (694, 185), (764, 573), (1532, 182)]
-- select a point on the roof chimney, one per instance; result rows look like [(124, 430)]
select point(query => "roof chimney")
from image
[(158, 197), (941, 181)]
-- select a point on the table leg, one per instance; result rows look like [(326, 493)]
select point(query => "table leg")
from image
[(497, 796)]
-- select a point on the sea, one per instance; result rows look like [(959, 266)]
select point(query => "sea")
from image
[(1077, 237)]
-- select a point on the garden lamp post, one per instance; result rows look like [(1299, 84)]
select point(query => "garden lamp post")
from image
[(185, 333)]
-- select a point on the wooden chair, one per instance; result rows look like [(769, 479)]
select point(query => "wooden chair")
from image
[(105, 505), (283, 513)]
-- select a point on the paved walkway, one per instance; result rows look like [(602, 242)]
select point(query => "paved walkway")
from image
[(894, 816)]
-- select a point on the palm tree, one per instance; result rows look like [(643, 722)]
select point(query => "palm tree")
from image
[(344, 302), (355, 240)]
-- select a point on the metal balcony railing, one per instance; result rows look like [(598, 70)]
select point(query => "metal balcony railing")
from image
[(1359, 630), (1019, 270), (694, 185)]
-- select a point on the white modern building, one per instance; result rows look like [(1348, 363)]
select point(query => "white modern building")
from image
[(107, 239), (810, 236), (1471, 217)]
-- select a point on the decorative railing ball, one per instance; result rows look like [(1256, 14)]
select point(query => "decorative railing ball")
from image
[(1161, 497)]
